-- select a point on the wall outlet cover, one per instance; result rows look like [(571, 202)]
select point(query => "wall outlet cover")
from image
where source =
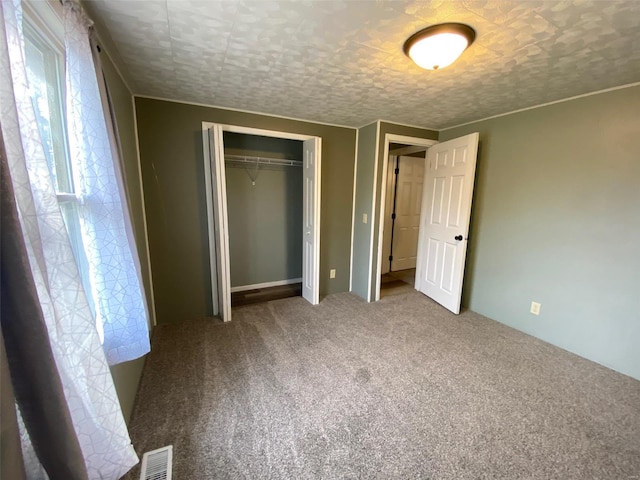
[(535, 308)]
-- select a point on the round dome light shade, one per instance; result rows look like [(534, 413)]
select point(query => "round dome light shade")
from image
[(439, 46)]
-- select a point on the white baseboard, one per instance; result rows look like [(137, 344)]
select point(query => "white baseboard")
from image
[(277, 283)]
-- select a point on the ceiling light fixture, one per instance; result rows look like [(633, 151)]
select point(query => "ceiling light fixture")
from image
[(438, 46)]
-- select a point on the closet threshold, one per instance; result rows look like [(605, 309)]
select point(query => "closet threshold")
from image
[(243, 159)]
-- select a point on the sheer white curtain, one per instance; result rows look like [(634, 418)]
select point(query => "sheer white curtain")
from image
[(79, 356), (114, 267)]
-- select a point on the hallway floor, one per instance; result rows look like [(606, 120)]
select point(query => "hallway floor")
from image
[(395, 283)]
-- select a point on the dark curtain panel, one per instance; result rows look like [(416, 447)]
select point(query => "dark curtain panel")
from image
[(34, 375), (11, 462)]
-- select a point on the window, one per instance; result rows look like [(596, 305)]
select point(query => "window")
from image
[(44, 60), (80, 154)]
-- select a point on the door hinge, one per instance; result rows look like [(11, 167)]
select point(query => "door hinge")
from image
[(391, 258), (393, 216), (397, 170)]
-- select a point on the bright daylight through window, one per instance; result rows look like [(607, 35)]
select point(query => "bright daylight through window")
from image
[(45, 70), (81, 156)]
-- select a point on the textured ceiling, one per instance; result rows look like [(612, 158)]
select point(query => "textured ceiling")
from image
[(341, 62)]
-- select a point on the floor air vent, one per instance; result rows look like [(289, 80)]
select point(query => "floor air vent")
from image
[(156, 465)]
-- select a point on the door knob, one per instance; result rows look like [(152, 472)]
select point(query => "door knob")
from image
[(458, 237)]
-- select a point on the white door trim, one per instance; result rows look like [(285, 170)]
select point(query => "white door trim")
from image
[(388, 139), (353, 211), (372, 217), (312, 295), (208, 187), (388, 206), (264, 133), (218, 232), (209, 195)]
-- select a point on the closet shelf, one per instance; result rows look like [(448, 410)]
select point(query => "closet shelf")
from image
[(242, 159)]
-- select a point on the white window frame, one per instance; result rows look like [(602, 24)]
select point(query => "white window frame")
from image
[(44, 21)]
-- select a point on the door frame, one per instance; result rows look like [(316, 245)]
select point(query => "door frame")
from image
[(209, 200), (386, 238), (388, 139)]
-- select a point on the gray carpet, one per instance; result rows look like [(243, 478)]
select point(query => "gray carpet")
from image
[(397, 389)]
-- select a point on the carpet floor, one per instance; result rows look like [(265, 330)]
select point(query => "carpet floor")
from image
[(399, 389)]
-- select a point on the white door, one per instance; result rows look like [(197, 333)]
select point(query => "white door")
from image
[(408, 205), (311, 221), (446, 208), (216, 186)]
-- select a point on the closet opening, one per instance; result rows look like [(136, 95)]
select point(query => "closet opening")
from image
[(401, 219), (263, 213), (264, 208)]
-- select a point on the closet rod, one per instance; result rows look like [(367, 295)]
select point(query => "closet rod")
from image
[(262, 160)]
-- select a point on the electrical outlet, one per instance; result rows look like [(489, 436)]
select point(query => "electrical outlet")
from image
[(535, 308), (364, 218), (332, 273)]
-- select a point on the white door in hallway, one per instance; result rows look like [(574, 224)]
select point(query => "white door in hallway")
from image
[(408, 204), (446, 209)]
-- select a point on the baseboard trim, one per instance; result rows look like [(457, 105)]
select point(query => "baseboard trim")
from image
[(255, 286)]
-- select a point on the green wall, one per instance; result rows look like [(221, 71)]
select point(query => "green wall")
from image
[(556, 219), (126, 376), (367, 138), (170, 139), (261, 146), (265, 216)]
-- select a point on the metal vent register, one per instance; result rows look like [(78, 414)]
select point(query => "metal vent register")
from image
[(156, 465)]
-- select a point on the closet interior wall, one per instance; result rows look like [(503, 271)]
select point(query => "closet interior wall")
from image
[(264, 211)]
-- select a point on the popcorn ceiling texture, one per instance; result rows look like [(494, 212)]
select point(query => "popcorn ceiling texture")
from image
[(341, 62)]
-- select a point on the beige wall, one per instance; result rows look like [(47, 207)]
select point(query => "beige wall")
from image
[(556, 219), (170, 136)]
